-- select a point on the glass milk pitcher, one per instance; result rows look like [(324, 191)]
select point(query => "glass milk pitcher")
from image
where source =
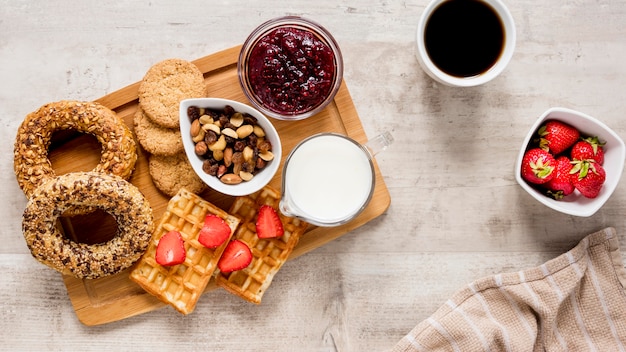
[(328, 178)]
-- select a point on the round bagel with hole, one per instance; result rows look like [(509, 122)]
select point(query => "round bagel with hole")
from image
[(109, 193)]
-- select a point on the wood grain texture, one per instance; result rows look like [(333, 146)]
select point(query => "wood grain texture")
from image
[(456, 212)]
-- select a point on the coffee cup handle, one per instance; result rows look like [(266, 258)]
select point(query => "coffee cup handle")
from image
[(379, 143)]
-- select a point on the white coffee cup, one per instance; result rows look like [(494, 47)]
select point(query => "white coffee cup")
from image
[(465, 80)]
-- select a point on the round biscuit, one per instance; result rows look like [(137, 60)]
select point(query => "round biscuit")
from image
[(156, 139), (164, 86), (170, 173)]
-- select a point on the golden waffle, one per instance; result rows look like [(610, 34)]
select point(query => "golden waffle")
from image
[(182, 285), (268, 255)]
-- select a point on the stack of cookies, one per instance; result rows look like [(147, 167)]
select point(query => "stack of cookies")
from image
[(156, 123)]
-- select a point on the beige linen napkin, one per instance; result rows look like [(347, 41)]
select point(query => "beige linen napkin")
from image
[(575, 302)]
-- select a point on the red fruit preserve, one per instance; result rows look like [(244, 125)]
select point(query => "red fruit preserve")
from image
[(291, 70)]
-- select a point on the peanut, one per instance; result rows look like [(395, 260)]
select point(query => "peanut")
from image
[(237, 119), (206, 120), (199, 137), (219, 145), (246, 176), (248, 153), (218, 155), (244, 131), (267, 156), (212, 127), (229, 132), (258, 130)]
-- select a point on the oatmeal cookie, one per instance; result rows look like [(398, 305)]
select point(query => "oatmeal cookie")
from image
[(154, 138), (165, 85), (170, 173)]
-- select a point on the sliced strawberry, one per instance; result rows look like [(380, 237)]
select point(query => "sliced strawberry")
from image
[(556, 136), (268, 224), (589, 149), (171, 249), (588, 177), (538, 166), (236, 256), (561, 184), (214, 232)]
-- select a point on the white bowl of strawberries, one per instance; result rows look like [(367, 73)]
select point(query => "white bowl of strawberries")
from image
[(570, 162)]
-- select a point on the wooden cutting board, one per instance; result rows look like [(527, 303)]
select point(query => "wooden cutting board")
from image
[(116, 297)]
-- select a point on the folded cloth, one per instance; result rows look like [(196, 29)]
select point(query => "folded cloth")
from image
[(574, 302)]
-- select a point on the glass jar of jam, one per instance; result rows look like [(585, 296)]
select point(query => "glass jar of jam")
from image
[(290, 68)]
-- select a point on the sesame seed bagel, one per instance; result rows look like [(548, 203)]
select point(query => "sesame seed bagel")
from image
[(109, 193), (31, 164)]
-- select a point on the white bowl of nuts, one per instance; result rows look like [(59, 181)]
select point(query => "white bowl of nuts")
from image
[(232, 147)]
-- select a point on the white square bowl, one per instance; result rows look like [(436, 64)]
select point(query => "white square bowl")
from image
[(614, 155), (262, 178)]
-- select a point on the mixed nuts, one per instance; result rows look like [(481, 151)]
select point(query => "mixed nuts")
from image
[(232, 144)]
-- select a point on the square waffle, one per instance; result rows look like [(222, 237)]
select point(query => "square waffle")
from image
[(182, 285), (268, 255)]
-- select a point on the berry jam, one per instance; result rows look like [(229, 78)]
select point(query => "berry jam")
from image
[(291, 71)]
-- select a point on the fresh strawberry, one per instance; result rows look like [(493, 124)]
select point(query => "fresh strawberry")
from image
[(588, 177), (268, 224), (556, 136), (236, 256), (538, 166), (171, 249), (214, 232), (589, 149), (561, 184)]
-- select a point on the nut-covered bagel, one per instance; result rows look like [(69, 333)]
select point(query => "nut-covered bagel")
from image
[(110, 193), (31, 164)]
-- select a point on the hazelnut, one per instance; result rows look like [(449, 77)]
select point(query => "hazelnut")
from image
[(201, 148)]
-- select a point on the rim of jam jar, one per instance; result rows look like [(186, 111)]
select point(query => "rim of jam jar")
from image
[(281, 22)]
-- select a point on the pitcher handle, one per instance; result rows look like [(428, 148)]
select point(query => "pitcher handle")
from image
[(379, 143)]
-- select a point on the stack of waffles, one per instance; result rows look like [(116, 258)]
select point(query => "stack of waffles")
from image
[(182, 285)]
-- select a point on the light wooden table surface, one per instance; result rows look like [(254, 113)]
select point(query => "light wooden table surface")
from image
[(456, 213)]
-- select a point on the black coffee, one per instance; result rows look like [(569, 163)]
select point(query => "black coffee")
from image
[(464, 38)]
